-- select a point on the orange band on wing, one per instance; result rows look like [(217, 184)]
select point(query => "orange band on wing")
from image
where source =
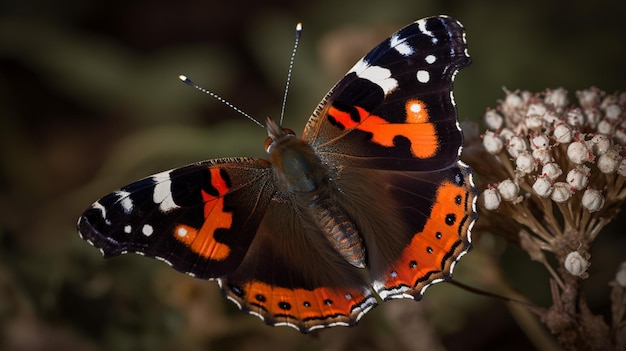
[(302, 304), (417, 129), (443, 239), (203, 241)]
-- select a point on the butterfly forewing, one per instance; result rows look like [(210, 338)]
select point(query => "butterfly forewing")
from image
[(200, 218), (394, 109)]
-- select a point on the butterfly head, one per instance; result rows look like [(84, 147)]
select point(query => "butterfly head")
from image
[(275, 134)]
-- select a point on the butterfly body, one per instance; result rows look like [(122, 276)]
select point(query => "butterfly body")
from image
[(371, 201), (302, 176)]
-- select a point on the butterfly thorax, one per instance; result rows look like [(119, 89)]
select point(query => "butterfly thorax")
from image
[(301, 174)]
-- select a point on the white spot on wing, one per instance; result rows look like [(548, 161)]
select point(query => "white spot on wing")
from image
[(423, 76), (378, 75), (401, 46), (182, 232), (430, 59), (415, 107), (98, 206), (147, 230), (163, 192), (421, 24), (127, 229), (125, 201)]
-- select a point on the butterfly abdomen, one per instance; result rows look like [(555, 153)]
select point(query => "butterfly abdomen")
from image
[(340, 230)]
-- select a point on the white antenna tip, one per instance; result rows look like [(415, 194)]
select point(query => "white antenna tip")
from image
[(185, 80), (299, 26)]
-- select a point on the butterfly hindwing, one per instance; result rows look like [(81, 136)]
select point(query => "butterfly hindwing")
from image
[(394, 109), (292, 276), (438, 211), (200, 218)]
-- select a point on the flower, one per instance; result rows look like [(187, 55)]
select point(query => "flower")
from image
[(552, 176), (576, 264), (538, 147)]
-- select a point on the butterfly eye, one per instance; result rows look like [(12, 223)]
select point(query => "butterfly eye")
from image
[(270, 141), (269, 144)]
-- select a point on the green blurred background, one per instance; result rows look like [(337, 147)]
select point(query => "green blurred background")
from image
[(90, 101)]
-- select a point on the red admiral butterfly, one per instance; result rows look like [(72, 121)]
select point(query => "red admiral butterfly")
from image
[(373, 199)]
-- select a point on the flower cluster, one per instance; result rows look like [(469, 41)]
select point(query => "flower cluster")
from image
[(552, 175), (550, 154)]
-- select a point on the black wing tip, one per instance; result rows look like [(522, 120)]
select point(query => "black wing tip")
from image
[(88, 232)]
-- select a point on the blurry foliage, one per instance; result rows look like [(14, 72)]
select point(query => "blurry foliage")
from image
[(89, 101)]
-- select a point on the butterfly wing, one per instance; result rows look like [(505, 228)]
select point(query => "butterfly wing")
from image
[(293, 276), (394, 109), (200, 219), (389, 133)]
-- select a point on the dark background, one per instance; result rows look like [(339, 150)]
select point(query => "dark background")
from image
[(90, 101)]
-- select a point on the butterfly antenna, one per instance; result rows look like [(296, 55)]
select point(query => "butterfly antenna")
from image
[(291, 60), (218, 98)]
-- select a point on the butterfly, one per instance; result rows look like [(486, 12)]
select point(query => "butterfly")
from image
[(372, 203)]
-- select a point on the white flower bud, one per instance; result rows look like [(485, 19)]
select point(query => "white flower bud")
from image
[(593, 200), (608, 101), (491, 198), (551, 170), (550, 117), (605, 127), (542, 155), (534, 116), (525, 163), (593, 116), (620, 136), (513, 100), (613, 112), (506, 134), (599, 144), (562, 133), (509, 191), (589, 97), (492, 143), (578, 177), (540, 142), (515, 146), (609, 161), (536, 109), (561, 192), (543, 186), (575, 118), (578, 152), (540, 145), (557, 98), (493, 120), (576, 264), (534, 121)]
